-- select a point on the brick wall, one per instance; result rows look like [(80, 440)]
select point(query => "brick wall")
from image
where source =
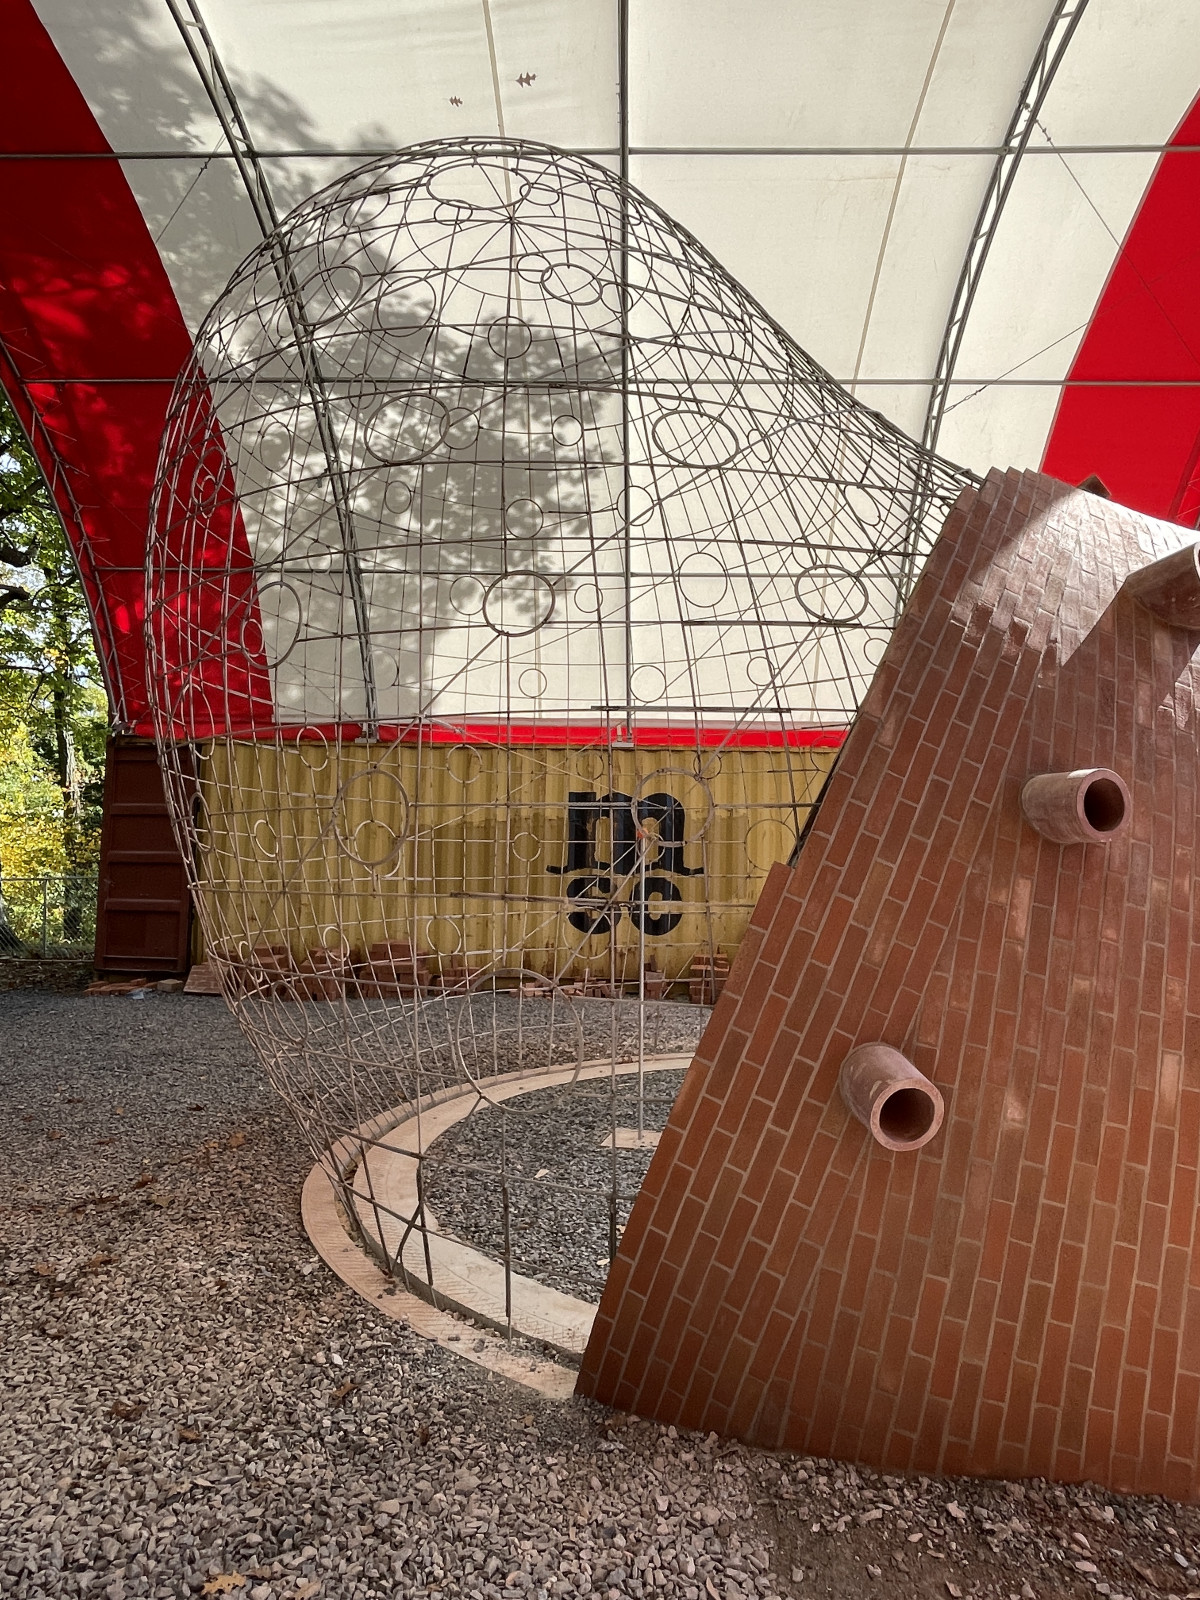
[(1020, 1296)]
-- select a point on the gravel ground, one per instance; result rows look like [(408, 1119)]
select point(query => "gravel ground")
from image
[(560, 1177), (191, 1403)]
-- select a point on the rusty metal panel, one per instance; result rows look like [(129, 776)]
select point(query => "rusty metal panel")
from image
[(143, 919)]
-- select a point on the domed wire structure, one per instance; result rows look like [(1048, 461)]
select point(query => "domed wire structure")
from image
[(511, 579)]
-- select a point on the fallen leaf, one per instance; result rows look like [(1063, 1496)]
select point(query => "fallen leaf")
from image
[(43, 1269), (423, 1433), (145, 1179), (344, 1390), (127, 1411), (54, 1133), (197, 1108), (224, 1583), (118, 1111), (74, 1099), (189, 1435), (98, 1261), (237, 1140), (159, 1199)]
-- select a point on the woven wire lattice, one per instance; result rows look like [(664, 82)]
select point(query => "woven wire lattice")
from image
[(512, 577)]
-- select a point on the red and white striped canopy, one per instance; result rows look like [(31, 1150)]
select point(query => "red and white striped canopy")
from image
[(982, 218)]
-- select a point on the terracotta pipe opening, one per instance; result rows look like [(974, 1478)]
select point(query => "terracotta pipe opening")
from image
[(1089, 806), (906, 1115), (887, 1094), (1104, 805)]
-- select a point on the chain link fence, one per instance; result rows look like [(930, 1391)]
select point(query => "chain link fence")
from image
[(48, 915)]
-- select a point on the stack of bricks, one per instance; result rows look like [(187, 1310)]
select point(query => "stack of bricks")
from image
[(708, 977), (324, 974), (124, 986), (593, 986), (1020, 1296), (655, 984), (269, 969), (452, 979), (393, 971)]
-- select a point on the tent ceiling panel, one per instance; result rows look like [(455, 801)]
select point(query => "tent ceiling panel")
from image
[(1128, 79), (1061, 270), (1131, 72), (201, 221), (919, 252), (1000, 421), (989, 49), (783, 228), (388, 72), (134, 71), (825, 73)]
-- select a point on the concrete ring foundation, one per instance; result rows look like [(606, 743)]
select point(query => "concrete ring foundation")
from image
[(377, 1169)]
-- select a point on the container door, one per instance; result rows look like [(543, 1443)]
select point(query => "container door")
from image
[(143, 921)]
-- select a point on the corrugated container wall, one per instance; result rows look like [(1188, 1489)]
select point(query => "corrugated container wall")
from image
[(554, 860)]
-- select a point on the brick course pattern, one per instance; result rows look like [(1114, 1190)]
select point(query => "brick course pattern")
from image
[(1021, 1296)]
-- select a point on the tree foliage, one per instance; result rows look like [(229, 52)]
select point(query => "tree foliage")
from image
[(53, 715)]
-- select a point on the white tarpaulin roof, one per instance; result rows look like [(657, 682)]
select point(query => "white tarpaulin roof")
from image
[(847, 160)]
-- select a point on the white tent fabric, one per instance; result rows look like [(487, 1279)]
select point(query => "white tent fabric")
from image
[(834, 156), (977, 217)]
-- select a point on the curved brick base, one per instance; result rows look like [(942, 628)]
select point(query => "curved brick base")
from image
[(1022, 1295)]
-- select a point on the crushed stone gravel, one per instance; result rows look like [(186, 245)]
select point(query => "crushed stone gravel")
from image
[(567, 1194), (191, 1403), (532, 1177)]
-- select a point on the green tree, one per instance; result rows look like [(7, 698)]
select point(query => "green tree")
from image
[(53, 715)]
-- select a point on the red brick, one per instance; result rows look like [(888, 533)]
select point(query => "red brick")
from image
[(1022, 1296)]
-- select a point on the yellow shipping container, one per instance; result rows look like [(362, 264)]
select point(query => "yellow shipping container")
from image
[(559, 860)]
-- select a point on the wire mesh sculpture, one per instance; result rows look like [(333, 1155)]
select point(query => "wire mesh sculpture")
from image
[(511, 578)]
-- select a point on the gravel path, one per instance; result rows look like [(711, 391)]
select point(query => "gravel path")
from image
[(189, 1401)]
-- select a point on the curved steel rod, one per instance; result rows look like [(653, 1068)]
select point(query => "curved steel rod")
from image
[(1054, 44)]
